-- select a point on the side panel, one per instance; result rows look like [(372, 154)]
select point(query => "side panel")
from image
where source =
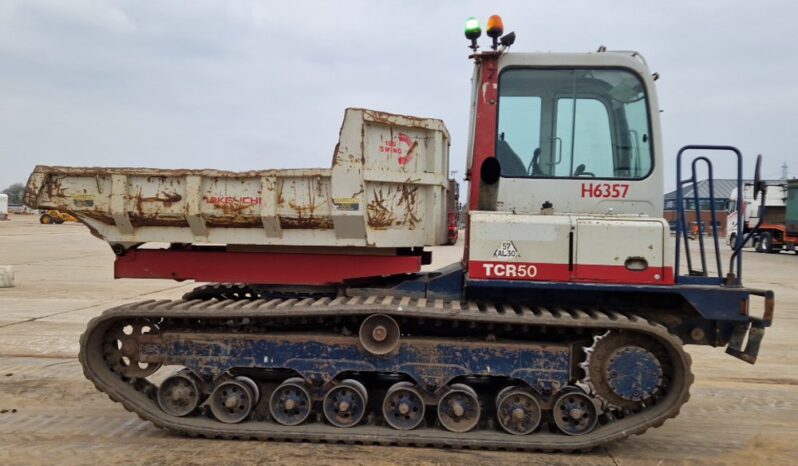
[(519, 247), (569, 248), (625, 197), (621, 251)]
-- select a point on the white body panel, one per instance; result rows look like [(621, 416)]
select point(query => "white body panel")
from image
[(579, 248), (386, 188), (3, 206)]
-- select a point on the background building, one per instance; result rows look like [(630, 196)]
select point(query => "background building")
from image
[(723, 189)]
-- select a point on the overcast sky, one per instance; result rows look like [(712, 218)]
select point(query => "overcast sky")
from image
[(243, 85)]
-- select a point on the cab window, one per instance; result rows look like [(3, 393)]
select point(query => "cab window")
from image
[(576, 123)]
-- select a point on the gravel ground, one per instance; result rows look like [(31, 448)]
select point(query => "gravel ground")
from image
[(738, 414)]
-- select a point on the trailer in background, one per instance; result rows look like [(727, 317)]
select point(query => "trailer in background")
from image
[(776, 236)]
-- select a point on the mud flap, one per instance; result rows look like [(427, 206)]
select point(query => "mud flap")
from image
[(755, 329)]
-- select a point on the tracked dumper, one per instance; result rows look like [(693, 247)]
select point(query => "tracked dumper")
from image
[(562, 328)]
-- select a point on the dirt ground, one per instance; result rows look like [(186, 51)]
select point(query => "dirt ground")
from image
[(738, 414)]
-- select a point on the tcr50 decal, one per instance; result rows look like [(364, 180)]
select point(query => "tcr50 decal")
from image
[(510, 270)]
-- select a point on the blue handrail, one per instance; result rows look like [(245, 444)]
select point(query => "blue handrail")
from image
[(681, 223)]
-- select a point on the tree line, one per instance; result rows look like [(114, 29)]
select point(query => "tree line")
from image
[(15, 193)]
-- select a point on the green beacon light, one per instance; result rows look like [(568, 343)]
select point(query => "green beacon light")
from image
[(472, 32)]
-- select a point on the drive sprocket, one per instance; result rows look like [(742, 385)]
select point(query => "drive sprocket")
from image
[(626, 371)]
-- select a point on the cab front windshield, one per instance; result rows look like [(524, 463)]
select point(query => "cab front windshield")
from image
[(573, 123)]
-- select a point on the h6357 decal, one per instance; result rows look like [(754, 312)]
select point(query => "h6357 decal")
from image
[(605, 190)]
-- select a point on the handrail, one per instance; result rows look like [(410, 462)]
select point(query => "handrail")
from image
[(681, 223)]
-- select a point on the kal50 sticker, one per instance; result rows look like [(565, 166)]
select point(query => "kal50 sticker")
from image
[(506, 250)]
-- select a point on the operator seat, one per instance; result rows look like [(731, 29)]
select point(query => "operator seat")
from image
[(511, 163)]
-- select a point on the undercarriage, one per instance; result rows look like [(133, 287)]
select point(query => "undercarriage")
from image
[(389, 370)]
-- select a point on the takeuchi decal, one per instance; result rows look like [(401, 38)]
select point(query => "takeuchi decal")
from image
[(232, 200), (403, 145)]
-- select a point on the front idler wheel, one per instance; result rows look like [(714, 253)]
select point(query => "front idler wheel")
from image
[(575, 413), (121, 349), (232, 401), (345, 404), (403, 407), (458, 409), (290, 403), (518, 411)]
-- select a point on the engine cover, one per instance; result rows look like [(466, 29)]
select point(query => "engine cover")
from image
[(569, 248)]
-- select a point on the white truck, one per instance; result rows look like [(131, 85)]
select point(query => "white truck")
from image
[(775, 203), (3, 206)]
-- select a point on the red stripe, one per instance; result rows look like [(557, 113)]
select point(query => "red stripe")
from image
[(582, 273), (259, 267)]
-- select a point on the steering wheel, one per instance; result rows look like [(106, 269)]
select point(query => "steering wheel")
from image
[(580, 171)]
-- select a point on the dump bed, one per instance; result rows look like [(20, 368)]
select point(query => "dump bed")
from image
[(387, 188)]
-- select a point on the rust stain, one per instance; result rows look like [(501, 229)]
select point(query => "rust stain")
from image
[(358, 193), (303, 209), (156, 221), (304, 215), (409, 198), (232, 208), (306, 223), (380, 216), (392, 119), (336, 151), (234, 222), (402, 200), (165, 173), (166, 198), (55, 187), (280, 198)]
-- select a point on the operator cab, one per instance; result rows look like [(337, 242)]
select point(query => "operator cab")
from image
[(578, 130), (577, 196)]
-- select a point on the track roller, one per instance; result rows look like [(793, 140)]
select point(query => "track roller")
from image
[(458, 408), (232, 400), (575, 413), (517, 410), (179, 395), (403, 407), (345, 404), (290, 403)]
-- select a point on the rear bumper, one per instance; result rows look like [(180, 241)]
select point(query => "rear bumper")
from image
[(747, 336)]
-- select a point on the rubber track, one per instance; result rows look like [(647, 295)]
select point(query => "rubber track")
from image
[(134, 398)]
